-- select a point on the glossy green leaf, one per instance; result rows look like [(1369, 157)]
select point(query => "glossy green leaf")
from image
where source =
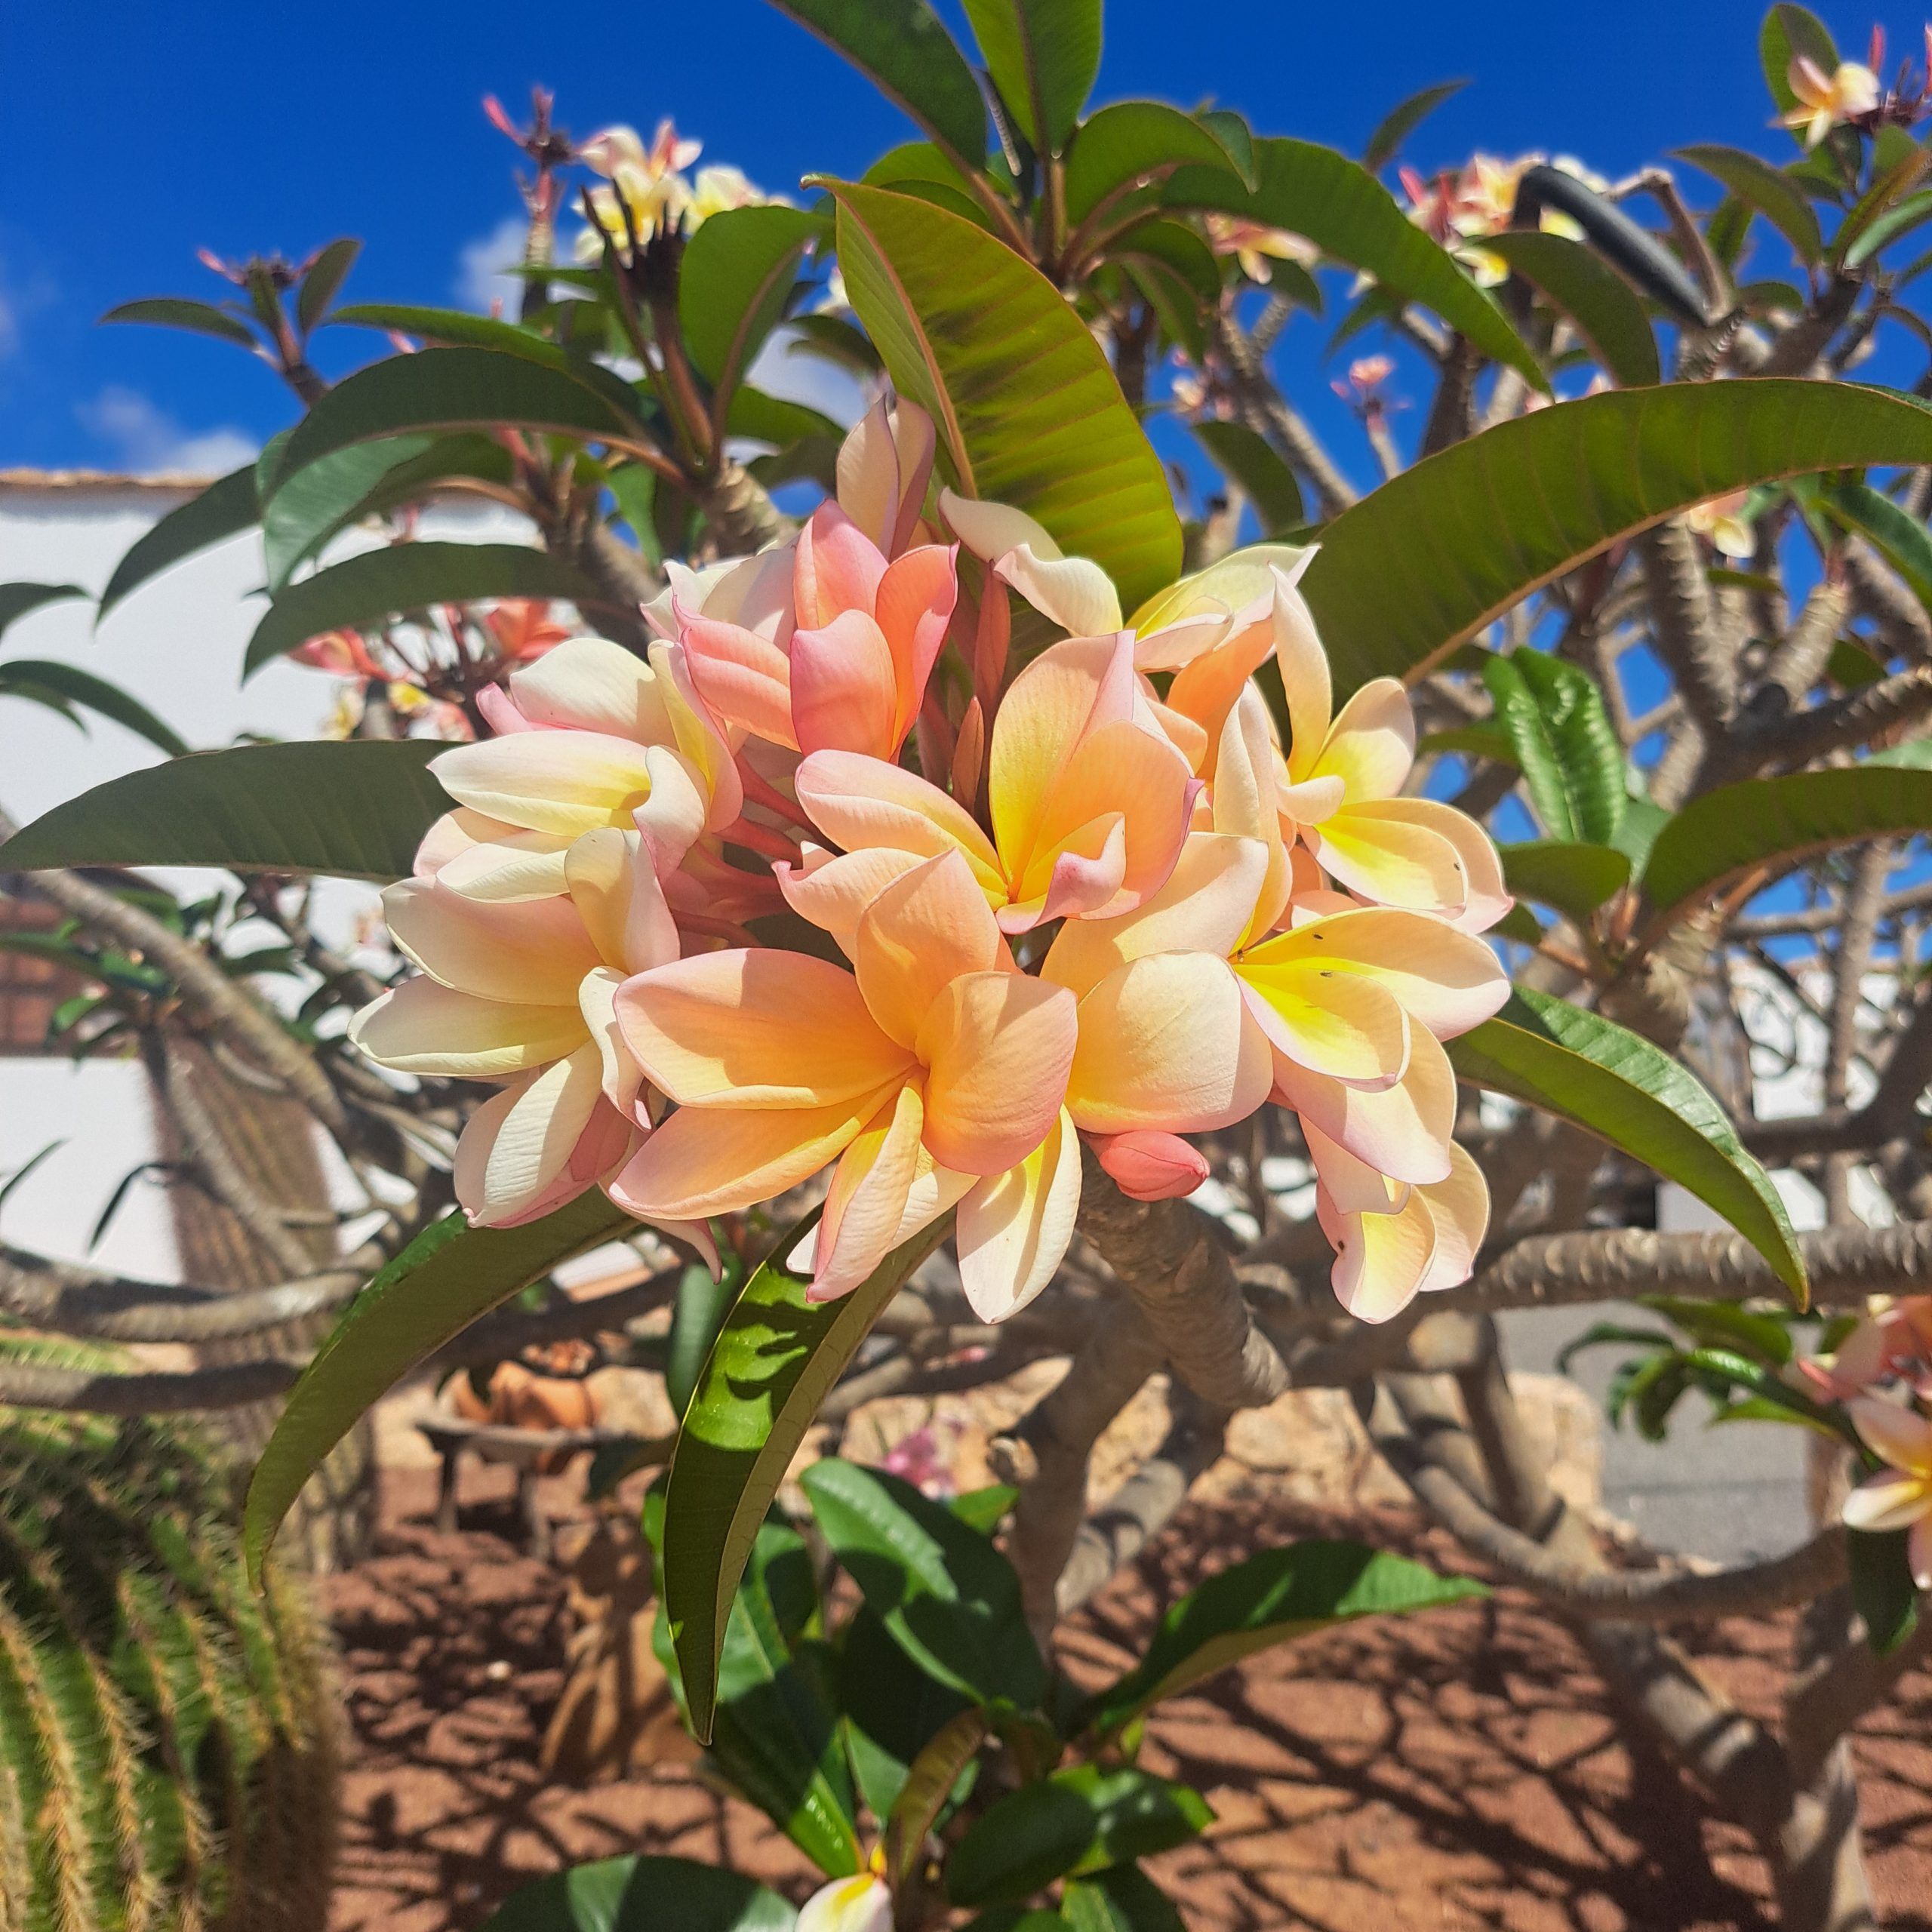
[(323, 283), (1891, 527), (1028, 410), (222, 510), (449, 1274), (1351, 217), (774, 1361), (1575, 879), (1892, 188), (1882, 1590), (363, 592), (83, 688), (1643, 822), (448, 389), (1768, 190), (1431, 558), (1121, 1899), (1257, 468), (1044, 56), (1900, 218), (1402, 120), (1587, 1069), (1572, 759), (460, 328), (698, 1315), (903, 49), (318, 501), (357, 810), (775, 420), (1778, 821), (738, 272), (1726, 1324), (644, 1893), (1592, 295), (171, 312), (1271, 1599), (1083, 1819), (985, 1509), (1130, 144), (932, 1780), (950, 1599), (893, 1709), (18, 599)]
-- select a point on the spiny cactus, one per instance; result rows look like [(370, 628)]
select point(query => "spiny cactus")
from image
[(168, 1748)]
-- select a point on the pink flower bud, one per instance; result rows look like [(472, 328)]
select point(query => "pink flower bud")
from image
[(1146, 1164)]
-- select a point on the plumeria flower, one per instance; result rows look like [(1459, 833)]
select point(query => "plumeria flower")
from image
[(843, 664), (1074, 591), (885, 464), (522, 628), (342, 652), (1895, 1340), (1899, 1497), (1367, 374), (934, 1074), (588, 735), (1825, 101), (719, 187), (1188, 1021), (647, 190), (521, 992), (860, 1903), (1089, 802), (1254, 245), (1722, 520)]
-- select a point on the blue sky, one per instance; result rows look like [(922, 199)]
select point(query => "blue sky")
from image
[(141, 132)]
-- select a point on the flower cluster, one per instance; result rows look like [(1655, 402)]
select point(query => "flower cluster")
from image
[(711, 933), (1890, 1349), (649, 189), (1460, 207)]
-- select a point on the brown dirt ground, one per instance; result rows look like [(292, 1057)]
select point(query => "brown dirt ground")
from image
[(1456, 1770)]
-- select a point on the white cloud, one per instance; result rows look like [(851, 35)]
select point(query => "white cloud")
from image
[(783, 367), (144, 437), (480, 279), (18, 299)]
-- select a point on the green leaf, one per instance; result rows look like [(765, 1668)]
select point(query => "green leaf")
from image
[(1351, 217), (1431, 558), (1572, 759), (903, 49), (1575, 879), (644, 1893), (1893, 185), (1121, 1899), (83, 687), (1028, 410), (1892, 528), (1402, 120), (365, 592), (1271, 1599), (1899, 219), (1643, 822), (222, 510), (357, 810), (1592, 295), (738, 272), (458, 327), (1788, 32), (1252, 463), (18, 599), (171, 312), (1768, 190), (1587, 1069), (1882, 1590), (442, 1281), (456, 389), (700, 1313), (934, 1774), (1044, 56), (893, 1709), (315, 503), (1083, 1819), (321, 285), (985, 1509), (950, 1599), (1761, 821), (773, 1363), (771, 419), (1726, 1324), (1130, 144)]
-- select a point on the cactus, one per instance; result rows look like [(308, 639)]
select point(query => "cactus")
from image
[(167, 1744)]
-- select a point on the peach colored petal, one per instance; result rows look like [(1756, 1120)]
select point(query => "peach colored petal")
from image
[(1900, 1436), (1148, 1165), (845, 691), (705, 1161), (1445, 980), (1340, 1025), (838, 568), (746, 679), (531, 952), (1014, 1226), (864, 803), (996, 1048), (1460, 1205), (1487, 897), (521, 865), (1372, 743), (1313, 801), (1118, 769), (566, 782), (697, 739), (1306, 683), (422, 1027), (1392, 862), (868, 476), (588, 684), (1404, 1131), (914, 605), (1165, 1041), (1208, 688), (617, 896), (1074, 593), (866, 1202), (832, 890), (746, 1030), (1352, 1185), (1226, 587), (597, 1001), (1085, 876), (922, 931), (1069, 690), (520, 1143), (1892, 1500), (1381, 1260)]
